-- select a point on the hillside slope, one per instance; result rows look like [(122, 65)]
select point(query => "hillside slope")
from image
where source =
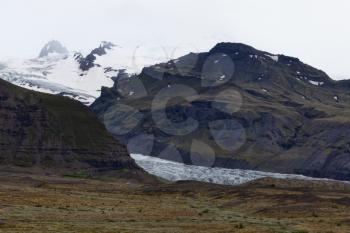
[(54, 133)]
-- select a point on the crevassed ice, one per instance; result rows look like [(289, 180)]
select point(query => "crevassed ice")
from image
[(174, 171)]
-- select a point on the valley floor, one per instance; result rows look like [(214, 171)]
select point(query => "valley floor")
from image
[(31, 203)]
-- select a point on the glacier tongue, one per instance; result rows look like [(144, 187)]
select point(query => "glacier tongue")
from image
[(174, 171)]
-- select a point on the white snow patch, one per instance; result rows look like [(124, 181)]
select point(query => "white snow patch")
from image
[(222, 77), (273, 57), (316, 83)]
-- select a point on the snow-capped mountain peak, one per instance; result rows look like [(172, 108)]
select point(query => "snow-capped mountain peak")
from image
[(53, 47), (57, 71), (76, 75)]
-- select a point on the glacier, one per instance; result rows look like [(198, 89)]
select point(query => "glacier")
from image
[(173, 171), (59, 72)]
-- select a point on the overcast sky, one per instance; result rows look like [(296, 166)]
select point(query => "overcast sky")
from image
[(316, 31)]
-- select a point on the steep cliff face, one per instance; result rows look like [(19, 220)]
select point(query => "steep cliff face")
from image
[(236, 107), (54, 132)]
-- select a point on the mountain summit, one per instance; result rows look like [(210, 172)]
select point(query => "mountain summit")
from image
[(234, 107), (53, 47)]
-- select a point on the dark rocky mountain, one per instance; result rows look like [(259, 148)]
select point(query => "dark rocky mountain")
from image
[(234, 107), (86, 63), (53, 46), (54, 134)]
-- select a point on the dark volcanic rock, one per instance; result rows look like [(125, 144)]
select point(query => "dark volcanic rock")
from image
[(86, 63), (246, 108)]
